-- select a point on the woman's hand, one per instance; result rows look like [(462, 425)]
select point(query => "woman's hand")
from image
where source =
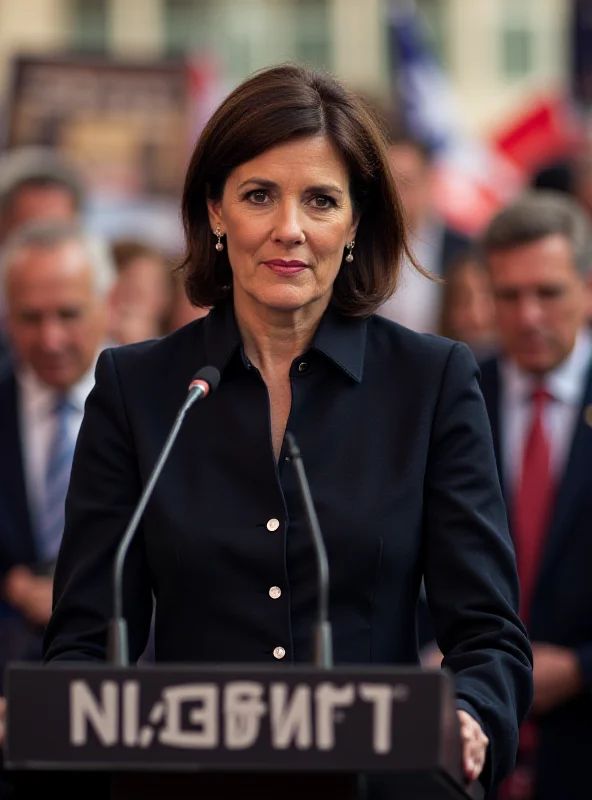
[(474, 745)]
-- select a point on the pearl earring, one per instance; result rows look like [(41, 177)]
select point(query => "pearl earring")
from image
[(218, 233), (349, 257)]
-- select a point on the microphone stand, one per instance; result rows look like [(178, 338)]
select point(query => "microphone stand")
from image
[(322, 637), (118, 645)]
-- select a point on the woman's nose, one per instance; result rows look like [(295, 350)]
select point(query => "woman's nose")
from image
[(288, 224)]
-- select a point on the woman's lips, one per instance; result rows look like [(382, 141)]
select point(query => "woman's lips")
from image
[(286, 268)]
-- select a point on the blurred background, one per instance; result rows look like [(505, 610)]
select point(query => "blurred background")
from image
[(101, 102), (497, 91)]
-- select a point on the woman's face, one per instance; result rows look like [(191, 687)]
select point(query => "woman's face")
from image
[(472, 313), (287, 216)]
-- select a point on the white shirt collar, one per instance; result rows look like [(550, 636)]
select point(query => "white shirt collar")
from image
[(41, 398), (564, 383)]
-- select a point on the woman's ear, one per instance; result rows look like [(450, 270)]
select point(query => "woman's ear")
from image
[(354, 227), (215, 214)]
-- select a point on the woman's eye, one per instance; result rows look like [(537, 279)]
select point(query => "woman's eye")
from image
[(323, 201), (257, 196)]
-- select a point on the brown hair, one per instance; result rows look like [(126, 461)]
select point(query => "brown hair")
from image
[(536, 214), (38, 168), (274, 106), (126, 250)]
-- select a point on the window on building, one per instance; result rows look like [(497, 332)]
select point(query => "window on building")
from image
[(89, 25), (243, 37), (182, 26), (435, 15), (311, 20), (517, 52), (518, 31)]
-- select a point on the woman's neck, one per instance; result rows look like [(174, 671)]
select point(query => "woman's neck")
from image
[(274, 338)]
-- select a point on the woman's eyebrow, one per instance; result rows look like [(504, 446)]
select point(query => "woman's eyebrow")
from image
[(323, 188), (266, 184)]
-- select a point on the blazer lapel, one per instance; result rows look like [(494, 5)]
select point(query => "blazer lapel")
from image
[(575, 480), (16, 534)]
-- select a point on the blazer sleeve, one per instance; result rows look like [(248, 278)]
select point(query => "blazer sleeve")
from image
[(470, 573), (104, 488)]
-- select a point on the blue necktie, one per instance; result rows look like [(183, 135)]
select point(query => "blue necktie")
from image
[(57, 479)]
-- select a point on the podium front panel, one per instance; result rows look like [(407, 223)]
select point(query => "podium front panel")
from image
[(176, 718)]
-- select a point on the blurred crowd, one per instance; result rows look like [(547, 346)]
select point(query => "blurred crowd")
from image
[(65, 294), (520, 296), (39, 185)]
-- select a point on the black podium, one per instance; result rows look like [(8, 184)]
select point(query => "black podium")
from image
[(222, 731)]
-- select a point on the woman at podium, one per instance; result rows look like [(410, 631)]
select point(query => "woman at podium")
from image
[(295, 236)]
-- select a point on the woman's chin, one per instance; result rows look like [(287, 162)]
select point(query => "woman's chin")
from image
[(287, 298)]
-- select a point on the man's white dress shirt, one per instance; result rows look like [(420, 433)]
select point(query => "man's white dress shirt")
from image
[(37, 424), (566, 385)]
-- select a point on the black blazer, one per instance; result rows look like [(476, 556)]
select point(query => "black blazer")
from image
[(17, 545), (397, 446), (561, 611)]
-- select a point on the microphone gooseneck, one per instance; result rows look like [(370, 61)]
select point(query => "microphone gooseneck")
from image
[(322, 637), (203, 383)]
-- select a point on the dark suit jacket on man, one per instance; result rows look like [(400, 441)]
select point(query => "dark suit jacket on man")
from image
[(561, 611), (396, 442), (17, 545), (18, 639)]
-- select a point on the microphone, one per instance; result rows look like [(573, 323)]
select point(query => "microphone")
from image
[(322, 637), (203, 382)]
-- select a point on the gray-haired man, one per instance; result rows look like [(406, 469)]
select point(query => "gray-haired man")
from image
[(56, 281), (538, 252)]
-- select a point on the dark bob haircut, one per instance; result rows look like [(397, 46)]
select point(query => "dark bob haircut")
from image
[(278, 105)]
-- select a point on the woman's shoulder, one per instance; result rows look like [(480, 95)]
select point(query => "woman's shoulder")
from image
[(158, 357), (420, 359), (385, 333)]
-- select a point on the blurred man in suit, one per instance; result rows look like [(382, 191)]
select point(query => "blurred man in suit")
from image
[(538, 253), (56, 282), (36, 183)]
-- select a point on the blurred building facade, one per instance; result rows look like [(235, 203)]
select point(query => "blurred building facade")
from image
[(241, 35), (498, 52)]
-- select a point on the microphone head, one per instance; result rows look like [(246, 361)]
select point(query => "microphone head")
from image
[(206, 375), (293, 448)]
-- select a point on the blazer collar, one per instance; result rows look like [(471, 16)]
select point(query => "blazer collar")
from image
[(339, 339)]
